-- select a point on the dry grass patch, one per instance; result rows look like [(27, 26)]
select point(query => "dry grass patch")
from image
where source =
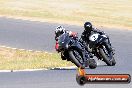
[(101, 12), (15, 59)]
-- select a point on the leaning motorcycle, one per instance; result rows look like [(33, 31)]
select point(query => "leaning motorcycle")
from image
[(71, 50), (100, 49)]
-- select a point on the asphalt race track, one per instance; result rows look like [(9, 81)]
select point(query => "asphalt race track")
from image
[(40, 36), (29, 35)]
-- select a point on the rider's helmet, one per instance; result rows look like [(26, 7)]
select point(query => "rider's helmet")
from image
[(59, 30), (88, 26)]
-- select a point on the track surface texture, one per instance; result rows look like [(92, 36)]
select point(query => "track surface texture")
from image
[(40, 36)]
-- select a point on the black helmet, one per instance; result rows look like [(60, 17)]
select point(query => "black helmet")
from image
[(88, 26)]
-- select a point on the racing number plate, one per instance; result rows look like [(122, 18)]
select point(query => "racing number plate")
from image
[(93, 37)]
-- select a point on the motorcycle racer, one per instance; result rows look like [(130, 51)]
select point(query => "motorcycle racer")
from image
[(88, 30), (59, 31)]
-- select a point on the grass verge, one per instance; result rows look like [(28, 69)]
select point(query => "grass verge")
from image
[(17, 60), (115, 13)]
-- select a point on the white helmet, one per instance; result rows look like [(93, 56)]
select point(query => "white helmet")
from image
[(59, 30)]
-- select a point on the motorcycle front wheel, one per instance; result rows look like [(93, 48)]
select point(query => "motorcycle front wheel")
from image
[(109, 61), (76, 58)]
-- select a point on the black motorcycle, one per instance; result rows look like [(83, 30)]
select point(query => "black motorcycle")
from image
[(72, 50), (100, 49)]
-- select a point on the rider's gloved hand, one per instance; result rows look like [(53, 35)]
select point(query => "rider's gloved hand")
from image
[(72, 34)]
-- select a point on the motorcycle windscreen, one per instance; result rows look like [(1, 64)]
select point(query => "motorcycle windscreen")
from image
[(64, 40)]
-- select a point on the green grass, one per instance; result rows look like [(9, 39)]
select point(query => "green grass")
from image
[(15, 60), (115, 13)]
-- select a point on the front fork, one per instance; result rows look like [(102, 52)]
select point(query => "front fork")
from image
[(108, 46), (84, 53), (97, 54), (107, 49)]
